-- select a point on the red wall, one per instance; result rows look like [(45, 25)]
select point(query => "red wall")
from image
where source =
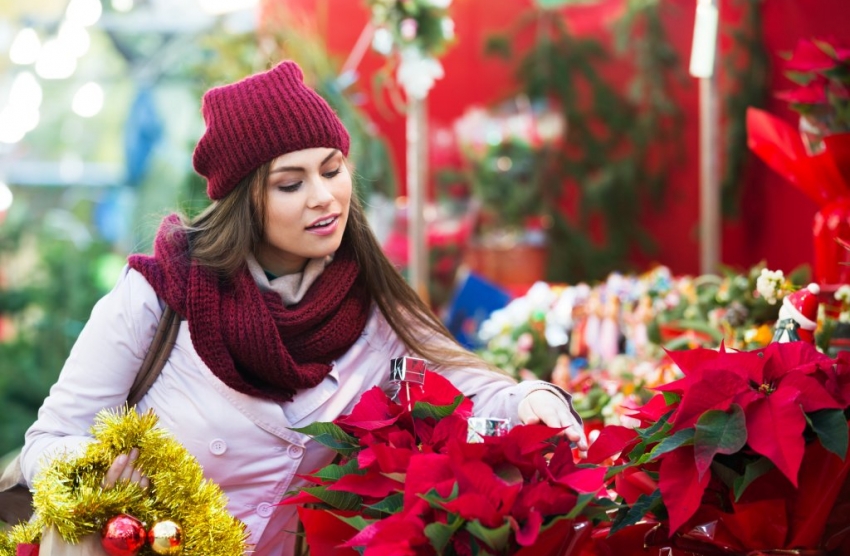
[(775, 219)]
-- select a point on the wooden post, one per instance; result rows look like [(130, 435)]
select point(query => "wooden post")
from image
[(703, 64), (417, 172)]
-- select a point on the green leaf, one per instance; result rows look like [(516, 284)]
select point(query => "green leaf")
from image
[(334, 498), (423, 410), (440, 533), (753, 471), (356, 521), (719, 432), (831, 427), (650, 435), (435, 500), (581, 503), (671, 397), (335, 472), (601, 510), (332, 436), (636, 512), (661, 425), (614, 469), (496, 539), (681, 438), (389, 505)]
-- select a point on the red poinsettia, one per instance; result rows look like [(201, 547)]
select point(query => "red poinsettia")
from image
[(821, 69), (740, 433), (410, 483)]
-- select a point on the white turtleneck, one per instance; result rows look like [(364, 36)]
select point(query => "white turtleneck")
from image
[(291, 287)]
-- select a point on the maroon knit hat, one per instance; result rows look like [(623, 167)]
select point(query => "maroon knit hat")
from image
[(257, 119)]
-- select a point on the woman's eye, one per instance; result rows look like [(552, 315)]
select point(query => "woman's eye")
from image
[(332, 173), (289, 188)]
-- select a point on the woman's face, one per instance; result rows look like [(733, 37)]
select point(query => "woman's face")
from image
[(308, 195)]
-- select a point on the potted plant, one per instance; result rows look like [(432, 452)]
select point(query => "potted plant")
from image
[(412, 480), (821, 70), (747, 454), (507, 154), (817, 158)]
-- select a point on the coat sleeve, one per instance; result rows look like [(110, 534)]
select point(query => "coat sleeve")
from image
[(98, 373), (494, 394)]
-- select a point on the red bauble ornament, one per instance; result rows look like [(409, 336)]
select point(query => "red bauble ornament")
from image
[(123, 535)]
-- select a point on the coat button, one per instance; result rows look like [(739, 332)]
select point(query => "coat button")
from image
[(294, 451), (264, 509), (218, 446)]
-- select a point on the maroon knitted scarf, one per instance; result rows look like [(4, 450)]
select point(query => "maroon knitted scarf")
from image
[(247, 337)]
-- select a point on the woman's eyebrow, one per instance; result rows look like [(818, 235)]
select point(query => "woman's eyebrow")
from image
[(301, 169)]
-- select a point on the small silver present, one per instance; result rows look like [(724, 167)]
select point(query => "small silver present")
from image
[(479, 427), (408, 369)]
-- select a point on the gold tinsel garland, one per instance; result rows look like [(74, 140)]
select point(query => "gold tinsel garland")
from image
[(69, 496)]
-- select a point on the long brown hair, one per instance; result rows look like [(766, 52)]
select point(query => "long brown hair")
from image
[(228, 229)]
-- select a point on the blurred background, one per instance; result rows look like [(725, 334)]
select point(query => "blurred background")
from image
[(560, 138)]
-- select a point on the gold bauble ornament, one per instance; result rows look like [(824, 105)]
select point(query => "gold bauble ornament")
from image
[(166, 537)]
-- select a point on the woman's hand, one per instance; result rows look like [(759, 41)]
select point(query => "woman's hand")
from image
[(547, 408), (123, 469)]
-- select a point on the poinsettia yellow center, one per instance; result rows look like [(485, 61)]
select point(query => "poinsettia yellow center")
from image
[(766, 388)]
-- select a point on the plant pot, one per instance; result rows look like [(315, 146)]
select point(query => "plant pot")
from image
[(511, 267), (832, 260)]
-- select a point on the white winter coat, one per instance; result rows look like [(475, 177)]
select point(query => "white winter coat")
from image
[(243, 443)]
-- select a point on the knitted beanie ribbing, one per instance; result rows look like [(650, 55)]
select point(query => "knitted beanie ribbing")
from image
[(257, 119)]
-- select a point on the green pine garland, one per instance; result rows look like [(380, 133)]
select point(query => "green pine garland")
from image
[(68, 493), (619, 145), (747, 85)]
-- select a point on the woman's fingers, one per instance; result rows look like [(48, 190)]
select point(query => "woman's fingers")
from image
[(545, 407), (129, 469), (123, 469)]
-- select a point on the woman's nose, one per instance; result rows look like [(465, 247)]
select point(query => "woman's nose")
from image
[(320, 193)]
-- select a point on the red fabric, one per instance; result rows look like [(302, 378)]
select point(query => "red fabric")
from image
[(248, 338), (257, 119)]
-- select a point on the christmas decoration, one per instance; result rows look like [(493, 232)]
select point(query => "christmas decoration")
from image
[(123, 535), (67, 494), (165, 537), (798, 317), (419, 31)]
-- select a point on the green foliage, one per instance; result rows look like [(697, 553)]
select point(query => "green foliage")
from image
[(511, 182), (723, 307), (618, 147), (719, 432), (831, 427), (332, 436), (52, 269), (746, 73)]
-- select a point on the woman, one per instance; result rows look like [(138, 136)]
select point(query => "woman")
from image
[(289, 310)]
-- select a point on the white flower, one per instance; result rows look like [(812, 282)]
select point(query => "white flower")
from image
[(843, 294), (417, 73), (442, 4), (769, 284), (447, 26), (382, 41)]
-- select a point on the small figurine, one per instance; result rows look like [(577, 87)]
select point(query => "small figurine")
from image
[(798, 316), (592, 326), (608, 342)]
